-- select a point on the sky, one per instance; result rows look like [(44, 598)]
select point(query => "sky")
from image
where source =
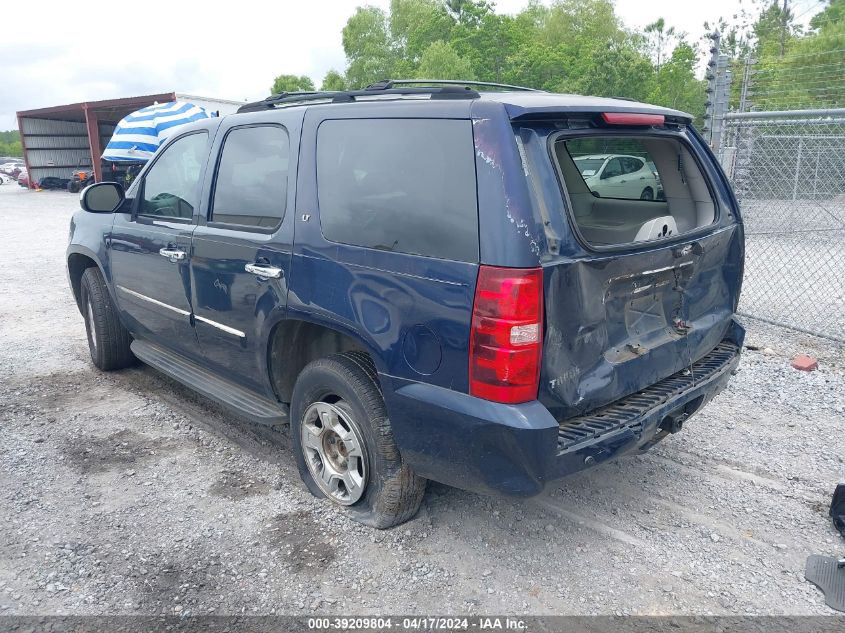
[(229, 50)]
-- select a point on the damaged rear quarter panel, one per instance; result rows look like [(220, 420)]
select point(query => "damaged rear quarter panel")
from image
[(511, 233)]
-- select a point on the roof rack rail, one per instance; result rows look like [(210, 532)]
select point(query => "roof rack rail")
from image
[(390, 83), (456, 91)]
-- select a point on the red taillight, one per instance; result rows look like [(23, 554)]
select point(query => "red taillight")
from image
[(632, 118), (507, 334)]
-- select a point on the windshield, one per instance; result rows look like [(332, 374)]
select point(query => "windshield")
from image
[(591, 165)]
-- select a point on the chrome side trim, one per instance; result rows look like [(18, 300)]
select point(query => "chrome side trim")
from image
[(153, 301), (220, 326)]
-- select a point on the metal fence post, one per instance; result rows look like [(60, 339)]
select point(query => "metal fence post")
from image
[(797, 169), (711, 91)]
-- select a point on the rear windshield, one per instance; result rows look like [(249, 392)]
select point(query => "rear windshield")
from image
[(625, 189)]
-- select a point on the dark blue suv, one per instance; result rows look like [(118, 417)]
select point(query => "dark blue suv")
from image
[(491, 289)]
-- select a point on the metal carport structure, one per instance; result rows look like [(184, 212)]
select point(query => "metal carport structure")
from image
[(60, 139)]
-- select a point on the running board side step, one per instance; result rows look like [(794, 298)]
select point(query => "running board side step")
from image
[(250, 405)]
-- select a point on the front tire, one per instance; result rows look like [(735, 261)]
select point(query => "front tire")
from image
[(647, 194), (108, 340), (343, 442)]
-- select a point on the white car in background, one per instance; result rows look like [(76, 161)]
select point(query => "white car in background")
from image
[(619, 176)]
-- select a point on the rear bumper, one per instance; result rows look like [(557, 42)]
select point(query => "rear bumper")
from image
[(516, 450)]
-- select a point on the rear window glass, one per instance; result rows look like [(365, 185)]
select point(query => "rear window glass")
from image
[(404, 185), (632, 189)]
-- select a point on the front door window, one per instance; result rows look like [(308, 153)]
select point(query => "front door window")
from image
[(171, 187)]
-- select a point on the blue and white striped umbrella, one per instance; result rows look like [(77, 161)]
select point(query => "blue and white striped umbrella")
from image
[(139, 135)]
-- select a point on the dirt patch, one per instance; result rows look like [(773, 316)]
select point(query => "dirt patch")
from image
[(236, 485), (177, 586), (301, 540), (90, 453)]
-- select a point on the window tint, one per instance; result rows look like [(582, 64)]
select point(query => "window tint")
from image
[(405, 185), (252, 177), (171, 187)]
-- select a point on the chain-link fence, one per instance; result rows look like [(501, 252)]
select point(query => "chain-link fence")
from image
[(788, 171)]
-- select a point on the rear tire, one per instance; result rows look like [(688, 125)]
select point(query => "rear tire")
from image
[(647, 194), (337, 400), (73, 187), (108, 340)]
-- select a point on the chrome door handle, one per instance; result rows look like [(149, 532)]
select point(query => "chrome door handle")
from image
[(172, 254), (264, 272)]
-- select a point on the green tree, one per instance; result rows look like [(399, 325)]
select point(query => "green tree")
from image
[(808, 76), (369, 50), (10, 143), (675, 84), (333, 81), (660, 39), (833, 14), (291, 83), (469, 12), (582, 46), (490, 48), (416, 24), (441, 61), (775, 29)]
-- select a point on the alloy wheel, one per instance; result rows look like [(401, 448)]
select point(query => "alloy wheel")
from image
[(334, 451)]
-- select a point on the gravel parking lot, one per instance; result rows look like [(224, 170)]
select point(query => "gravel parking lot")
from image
[(125, 493)]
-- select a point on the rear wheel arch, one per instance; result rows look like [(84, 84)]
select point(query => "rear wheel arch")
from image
[(295, 343)]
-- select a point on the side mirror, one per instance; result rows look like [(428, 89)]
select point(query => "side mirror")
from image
[(102, 197)]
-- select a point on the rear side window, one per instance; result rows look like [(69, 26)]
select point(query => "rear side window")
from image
[(404, 185), (625, 189), (252, 177)]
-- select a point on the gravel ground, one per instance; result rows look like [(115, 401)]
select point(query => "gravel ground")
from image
[(125, 493)]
